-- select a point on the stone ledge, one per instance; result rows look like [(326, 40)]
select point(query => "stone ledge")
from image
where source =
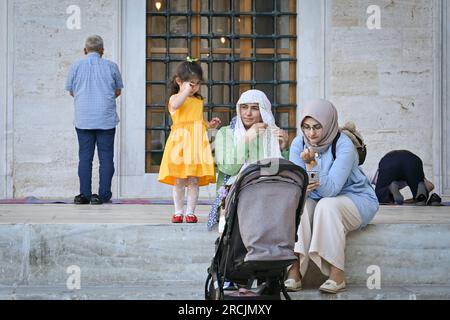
[(184, 290), (134, 254)]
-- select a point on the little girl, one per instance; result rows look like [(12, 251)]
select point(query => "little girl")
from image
[(187, 161)]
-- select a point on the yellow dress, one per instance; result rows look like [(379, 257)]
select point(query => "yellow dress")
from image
[(188, 152)]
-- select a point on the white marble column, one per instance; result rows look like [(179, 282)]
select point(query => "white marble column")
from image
[(441, 86), (117, 57), (132, 136), (311, 51), (6, 103)]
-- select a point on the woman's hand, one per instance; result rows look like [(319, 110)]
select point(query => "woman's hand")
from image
[(283, 139), (214, 123), (312, 186), (309, 157), (256, 130)]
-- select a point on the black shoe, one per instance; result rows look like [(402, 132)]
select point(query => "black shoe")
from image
[(421, 200), (95, 199), (434, 200), (80, 199)]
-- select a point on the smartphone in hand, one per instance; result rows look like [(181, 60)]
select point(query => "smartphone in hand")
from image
[(313, 176)]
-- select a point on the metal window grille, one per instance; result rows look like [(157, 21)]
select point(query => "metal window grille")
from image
[(241, 44)]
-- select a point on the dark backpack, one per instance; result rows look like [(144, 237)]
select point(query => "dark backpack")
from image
[(350, 130)]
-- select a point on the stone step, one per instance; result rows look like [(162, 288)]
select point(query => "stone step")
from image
[(153, 290), (130, 252), (404, 254), (192, 290), (135, 254)]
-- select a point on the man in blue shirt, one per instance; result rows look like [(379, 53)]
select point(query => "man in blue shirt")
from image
[(95, 84)]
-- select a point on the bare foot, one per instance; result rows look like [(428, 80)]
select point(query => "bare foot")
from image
[(337, 275), (294, 272), (243, 292)]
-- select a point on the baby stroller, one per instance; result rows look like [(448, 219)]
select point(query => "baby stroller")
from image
[(262, 212)]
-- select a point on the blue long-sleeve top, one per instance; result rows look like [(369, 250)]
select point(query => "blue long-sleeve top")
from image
[(340, 176)]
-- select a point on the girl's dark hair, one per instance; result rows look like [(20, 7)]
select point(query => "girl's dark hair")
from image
[(186, 71)]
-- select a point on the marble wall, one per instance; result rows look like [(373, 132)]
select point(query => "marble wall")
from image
[(381, 79), (44, 159)]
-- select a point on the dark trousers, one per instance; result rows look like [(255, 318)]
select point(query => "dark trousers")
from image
[(398, 165), (104, 140)]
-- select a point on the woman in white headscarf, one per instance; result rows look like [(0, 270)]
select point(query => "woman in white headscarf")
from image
[(252, 136), (341, 201), (250, 103)]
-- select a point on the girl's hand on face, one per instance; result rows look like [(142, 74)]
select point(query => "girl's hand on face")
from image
[(186, 88), (195, 86), (214, 123)]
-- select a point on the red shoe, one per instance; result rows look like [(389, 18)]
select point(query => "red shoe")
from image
[(177, 218), (191, 218)]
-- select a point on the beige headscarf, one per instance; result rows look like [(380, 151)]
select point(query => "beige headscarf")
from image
[(271, 144), (325, 113)]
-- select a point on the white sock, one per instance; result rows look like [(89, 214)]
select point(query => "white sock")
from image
[(192, 195), (178, 195)]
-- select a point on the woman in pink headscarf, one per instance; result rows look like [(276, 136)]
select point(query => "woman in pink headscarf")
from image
[(341, 200)]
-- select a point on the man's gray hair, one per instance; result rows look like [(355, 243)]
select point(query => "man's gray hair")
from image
[(94, 43)]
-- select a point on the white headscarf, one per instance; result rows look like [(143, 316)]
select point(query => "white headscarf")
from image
[(271, 144)]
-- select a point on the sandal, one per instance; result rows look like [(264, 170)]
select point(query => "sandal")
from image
[(292, 285), (330, 286), (191, 218), (177, 218)]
